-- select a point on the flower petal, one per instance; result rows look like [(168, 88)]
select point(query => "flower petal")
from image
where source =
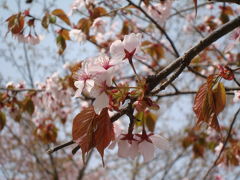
[(160, 142), (132, 41), (147, 150), (133, 151), (100, 102), (79, 85), (89, 85), (123, 148), (117, 50)]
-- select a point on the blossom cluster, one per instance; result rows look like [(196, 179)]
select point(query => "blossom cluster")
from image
[(53, 103), (131, 145), (95, 76)]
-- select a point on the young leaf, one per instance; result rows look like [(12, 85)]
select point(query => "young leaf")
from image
[(61, 44), (84, 24), (65, 34), (98, 11), (219, 95), (104, 133), (61, 14), (15, 23), (45, 20), (151, 120), (83, 128), (90, 130), (28, 105), (205, 104)]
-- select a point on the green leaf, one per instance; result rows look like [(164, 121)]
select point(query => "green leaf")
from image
[(61, 44), (28, 105), (45, 21)]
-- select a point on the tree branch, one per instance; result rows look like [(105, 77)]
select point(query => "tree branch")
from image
[(227, 1), (185, 60)]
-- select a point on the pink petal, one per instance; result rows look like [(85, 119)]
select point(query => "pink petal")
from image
[(89, 85), (79, 85), (147, 150), (117, 50), (123, 148), (101, 102), (133, 151), (132, 42), (160, 142)]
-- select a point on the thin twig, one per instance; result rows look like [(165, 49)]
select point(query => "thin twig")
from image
[(224, 145)]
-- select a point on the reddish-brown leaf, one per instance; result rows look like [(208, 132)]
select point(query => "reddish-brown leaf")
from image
[(83, 128), (65, 34), (15, 23), (104, 133), (98, 11), (205, 104), (219, 95), (90, 130), (61, 14), (84, 24)]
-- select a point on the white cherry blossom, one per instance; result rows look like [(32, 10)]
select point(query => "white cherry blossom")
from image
[(127, 48), (98, 25), (77, 35), (99, 90), (148, 145), (84, 77), (236, 96), (160, 11)]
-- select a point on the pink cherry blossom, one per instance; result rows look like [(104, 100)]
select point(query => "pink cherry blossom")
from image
[(98, 25), (77, 35), (84, 78), (161, 11), (127, 148), (31, 39), (127, 48), (103, 63), (148, 143), (99, 90), (236, 96), (79, 4), (130, 145), (117, 126)]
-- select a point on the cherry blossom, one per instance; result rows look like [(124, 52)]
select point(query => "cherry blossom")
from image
[(79, 4), (98, 25), (77, 35), (84, 78), (99, 90), (236, 96), (161, 11), (54, 102), (103, 63), (127, 48), (148, 143), (34, 40), (130, 145)]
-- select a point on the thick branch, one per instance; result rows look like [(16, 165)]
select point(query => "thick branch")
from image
[(185, 60), (227, 1)]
